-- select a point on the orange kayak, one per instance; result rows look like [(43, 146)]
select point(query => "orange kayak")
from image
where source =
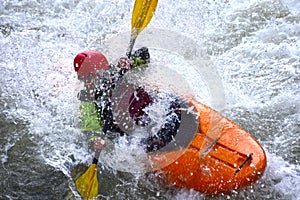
[(219, 158)]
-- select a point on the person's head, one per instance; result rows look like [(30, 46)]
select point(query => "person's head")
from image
[(87, 63)]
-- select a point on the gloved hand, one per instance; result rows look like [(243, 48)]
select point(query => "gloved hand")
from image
[(124, 62), (140, 57), (99, 143)]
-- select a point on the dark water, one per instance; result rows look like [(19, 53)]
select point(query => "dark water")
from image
[(24, 174), (254, 46)]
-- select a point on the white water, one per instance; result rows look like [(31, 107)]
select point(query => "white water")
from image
[(254, 47)]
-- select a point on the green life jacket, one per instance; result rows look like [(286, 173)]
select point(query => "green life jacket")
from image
[(90, 119)]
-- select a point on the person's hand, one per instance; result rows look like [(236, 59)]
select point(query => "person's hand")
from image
[(99, 144), (125, 63)]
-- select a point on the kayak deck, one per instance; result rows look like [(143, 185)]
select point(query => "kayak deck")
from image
[(230, 160)]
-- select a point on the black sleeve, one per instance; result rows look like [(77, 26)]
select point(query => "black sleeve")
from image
[(103, 95), (168, 131)]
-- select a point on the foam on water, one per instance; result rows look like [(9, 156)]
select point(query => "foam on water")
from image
[(253, 44)]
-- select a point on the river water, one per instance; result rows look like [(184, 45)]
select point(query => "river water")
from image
[(253, 77)]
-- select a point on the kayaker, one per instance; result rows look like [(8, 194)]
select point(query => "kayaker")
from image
[(99, 79)]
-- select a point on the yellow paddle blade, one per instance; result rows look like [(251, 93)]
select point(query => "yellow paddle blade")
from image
[(142, 13), (87, 183)]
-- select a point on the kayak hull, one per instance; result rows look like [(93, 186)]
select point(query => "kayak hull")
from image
[(221, 157)]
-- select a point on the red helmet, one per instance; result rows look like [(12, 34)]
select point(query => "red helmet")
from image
[(89, 62)]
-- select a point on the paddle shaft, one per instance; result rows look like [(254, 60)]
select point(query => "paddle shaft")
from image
[(96, 157), (131, 44)]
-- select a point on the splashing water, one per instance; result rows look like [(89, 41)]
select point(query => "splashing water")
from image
[(254, 48)]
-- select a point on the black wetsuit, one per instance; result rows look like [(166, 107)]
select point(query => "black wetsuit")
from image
[(104, 106)]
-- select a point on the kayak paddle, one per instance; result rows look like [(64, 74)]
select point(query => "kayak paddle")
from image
[(142, 13), (87, 183)]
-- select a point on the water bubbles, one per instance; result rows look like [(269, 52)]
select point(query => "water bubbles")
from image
[(125, 155), (253, 45), (252, 165)]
